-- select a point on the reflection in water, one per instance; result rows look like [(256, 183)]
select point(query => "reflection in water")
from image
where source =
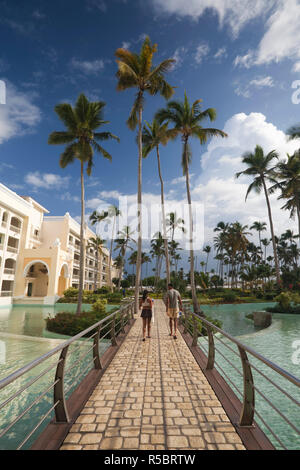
[(22, 331)]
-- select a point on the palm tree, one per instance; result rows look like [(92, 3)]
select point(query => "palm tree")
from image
[(82, 139), (259, 227), (137, 71), (122, 244), (113, 212), (288, 176), (259, 167), (96, 243), (157, 250), (187, 121), (207, 250), (153, 136), (173, 223)]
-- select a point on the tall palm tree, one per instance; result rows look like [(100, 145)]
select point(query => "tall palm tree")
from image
[(207, 250), (288, 176), (82, 139), (259, 167), (187, 120), (154, 135), (113, 212), (122, 244), (137, 71), (259, 227), (96, 243)]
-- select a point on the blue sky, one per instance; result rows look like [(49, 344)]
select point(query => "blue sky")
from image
[(240, 57)]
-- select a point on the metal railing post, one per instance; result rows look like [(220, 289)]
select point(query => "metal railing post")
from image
[(211, 349), (247, 414), (195, 331), (113, 332), (96, 353), (61, 412)]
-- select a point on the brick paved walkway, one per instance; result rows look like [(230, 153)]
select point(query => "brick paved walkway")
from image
[(153, 396)]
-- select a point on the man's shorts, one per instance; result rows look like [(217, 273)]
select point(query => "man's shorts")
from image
[(173, 313)]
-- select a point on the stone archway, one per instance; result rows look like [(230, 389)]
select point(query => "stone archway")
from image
[(63, 279), (36, 274)]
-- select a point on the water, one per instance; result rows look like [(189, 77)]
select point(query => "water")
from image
[(23, 338), (276, 343)]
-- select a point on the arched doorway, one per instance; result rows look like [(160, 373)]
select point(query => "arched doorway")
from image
[(62, 280), (37, 278)]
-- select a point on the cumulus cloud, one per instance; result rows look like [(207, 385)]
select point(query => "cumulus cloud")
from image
[(19, 116), (224, 196), (39, 180)]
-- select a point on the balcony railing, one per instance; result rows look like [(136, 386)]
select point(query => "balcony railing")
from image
[(6, 293), (12, 249), (9, 271), (16, 229)]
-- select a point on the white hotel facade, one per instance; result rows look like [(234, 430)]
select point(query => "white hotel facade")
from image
[(39, 254)]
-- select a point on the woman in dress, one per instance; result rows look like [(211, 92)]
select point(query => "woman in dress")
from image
[(146, 305)]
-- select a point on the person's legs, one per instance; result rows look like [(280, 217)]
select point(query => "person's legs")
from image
[(149, 327), (171, 326), (175, 328), (144, 328)]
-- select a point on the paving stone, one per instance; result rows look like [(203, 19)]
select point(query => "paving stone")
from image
[(153, 395)]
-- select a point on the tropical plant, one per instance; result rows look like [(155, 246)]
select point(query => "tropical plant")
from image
[(96, 243), (122, 244), (82, 139), (187, 121), (137, 71), (153, 136), (259, 167)]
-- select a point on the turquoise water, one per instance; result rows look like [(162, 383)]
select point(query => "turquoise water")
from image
[(276, 343), (22, 339)]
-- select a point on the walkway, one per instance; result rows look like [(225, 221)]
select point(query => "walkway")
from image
[(153, 396)]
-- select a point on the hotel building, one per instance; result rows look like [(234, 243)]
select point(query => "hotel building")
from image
[(39, 254)]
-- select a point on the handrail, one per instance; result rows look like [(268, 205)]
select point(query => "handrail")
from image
[(249, 409), (125, 312)]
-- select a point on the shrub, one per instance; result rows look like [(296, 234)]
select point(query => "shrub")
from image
[(99, 306), (71, 292), (69, 324), (230, 297), (284, 300)]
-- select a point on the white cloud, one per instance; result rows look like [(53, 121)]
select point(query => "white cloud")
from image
[(179, 56), (263, 82), (296, 67), (39, 180), (223, 195), (222, 52), (201, 52), (281, 39), (88, 67), (125, 45), (96, 4), (259, 82), (19, 116), (234, 13)]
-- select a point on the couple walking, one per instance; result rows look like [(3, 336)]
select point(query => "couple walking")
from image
[(172, 301)]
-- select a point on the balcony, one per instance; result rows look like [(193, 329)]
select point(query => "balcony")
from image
[(15, 229), (7, 293), (10, 271), (12, 249)]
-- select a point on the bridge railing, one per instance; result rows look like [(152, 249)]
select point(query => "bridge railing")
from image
[(106, 330), (245, 370)]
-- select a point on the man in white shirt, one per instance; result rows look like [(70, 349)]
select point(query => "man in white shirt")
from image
[(172, 302)]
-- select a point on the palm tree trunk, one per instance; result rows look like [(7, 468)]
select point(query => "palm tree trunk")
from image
[(139, 201), (81, 259), (272, 233), (163, 218), (97, 267), (192, 273), (110, 254)]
